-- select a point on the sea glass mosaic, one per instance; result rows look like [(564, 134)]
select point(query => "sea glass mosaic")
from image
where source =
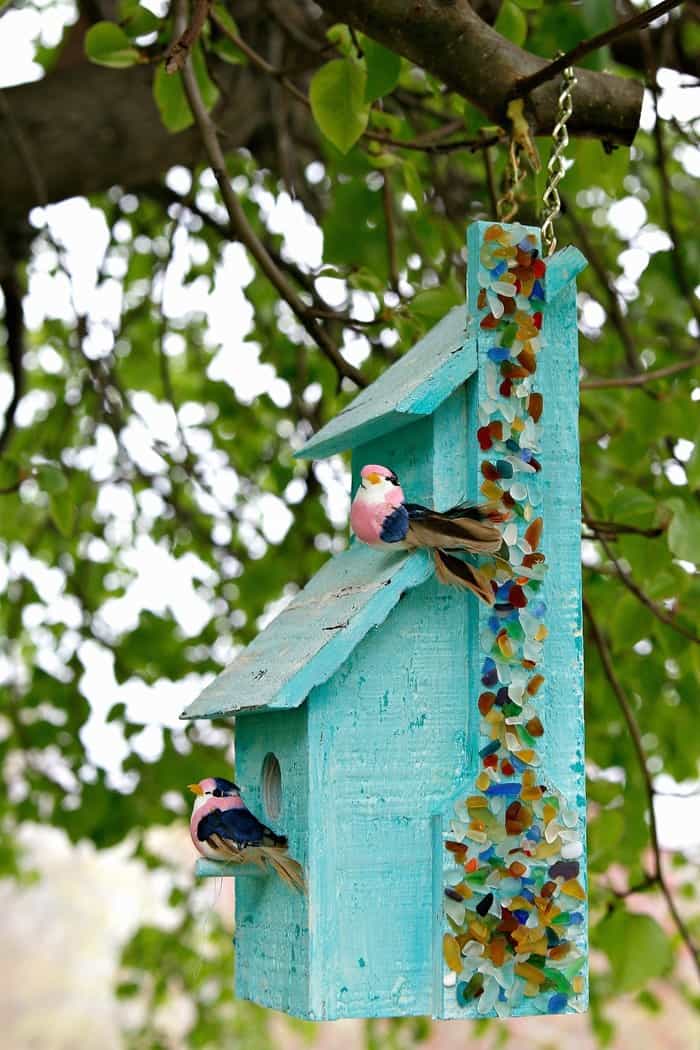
[(514, 938)]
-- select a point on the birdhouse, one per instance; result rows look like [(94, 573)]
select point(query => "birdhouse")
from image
[(422, 750)]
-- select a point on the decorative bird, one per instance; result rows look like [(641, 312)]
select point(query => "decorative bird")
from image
[(381, 517), (223, 828)]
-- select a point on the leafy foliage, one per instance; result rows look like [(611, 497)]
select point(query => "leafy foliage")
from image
[(137, 432)]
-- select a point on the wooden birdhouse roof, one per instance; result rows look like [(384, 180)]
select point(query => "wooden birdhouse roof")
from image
[(413, 387), (315, 634)]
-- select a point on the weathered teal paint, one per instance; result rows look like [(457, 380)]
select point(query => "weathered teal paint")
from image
[(367, 694), (412, 388)]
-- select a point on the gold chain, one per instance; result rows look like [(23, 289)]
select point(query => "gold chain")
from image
[(551, 202), (507, 206)]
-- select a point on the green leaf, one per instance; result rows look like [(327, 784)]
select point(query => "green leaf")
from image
[(207, 88), (137, 20), (412, 181), (511, 23), (51, 479), (337, 96), (637, 947), (62, 512), (433, 303), (221, 44), (684, 531), (383, 69), (529, 5), (170, 97), (107, 44), (9, 473)]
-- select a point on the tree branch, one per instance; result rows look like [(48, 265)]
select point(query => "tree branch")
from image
[(180, 49), (242, 231), (586, 47), (450, 41), (656, 610), (640, 378), (14, 325), (636, 737)]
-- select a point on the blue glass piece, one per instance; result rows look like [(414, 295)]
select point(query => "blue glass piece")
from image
[(526, 246), (512, 445), (503, 592), (510, 790), (504, 468), (533, 833), (498, 354), (517, 765), (494, 624), (557, 1003), (521, 915), (575, 918), (537, 291), (528, 895), (499, 268), (490, 748), (538, 609), (486, 854), (552, 939), (526, 454)]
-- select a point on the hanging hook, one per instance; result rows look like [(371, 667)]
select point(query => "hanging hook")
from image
[(520, 142), (551, 202)]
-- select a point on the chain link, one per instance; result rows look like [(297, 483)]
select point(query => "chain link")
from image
[(551, 202), (507, 207)]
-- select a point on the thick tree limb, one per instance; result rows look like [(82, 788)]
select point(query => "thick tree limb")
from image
[(97, 127), (14, 326), (586, 47), (451, 41)]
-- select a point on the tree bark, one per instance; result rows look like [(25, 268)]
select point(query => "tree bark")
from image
[(448, 38), (90, 128)]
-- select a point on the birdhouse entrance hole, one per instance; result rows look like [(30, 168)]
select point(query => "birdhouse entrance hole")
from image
[(272, 785)]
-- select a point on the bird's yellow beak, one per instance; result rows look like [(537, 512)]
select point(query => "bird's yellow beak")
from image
[(195, 789), (373, 479)]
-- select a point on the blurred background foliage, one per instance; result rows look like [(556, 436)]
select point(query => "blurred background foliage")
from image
[(141, 426)]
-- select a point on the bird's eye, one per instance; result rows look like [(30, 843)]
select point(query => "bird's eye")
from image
[(393, 479), (216, 793)]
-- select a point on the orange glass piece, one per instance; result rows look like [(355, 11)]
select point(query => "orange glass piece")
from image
[(530, 973), (452, 953), (477, 802), (534, 684), (491, 491), (573, 888), (494, 233), (497, 951), (535, 404), (505, 645), (534, 727), (541, 633), (533, 533), (486, 702)]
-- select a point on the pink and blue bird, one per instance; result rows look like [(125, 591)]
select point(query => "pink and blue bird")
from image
[(381, 517), (223, 828)]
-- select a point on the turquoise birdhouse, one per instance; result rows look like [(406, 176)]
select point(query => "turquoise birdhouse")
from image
[(422, 750)]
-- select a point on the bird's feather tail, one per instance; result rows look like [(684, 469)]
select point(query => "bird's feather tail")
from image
[(477, 537), (457, 573), (290, 871)]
